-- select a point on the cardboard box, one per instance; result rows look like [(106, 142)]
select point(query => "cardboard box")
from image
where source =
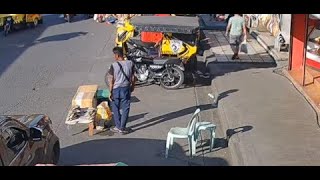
[(85, 99), (88, 88)]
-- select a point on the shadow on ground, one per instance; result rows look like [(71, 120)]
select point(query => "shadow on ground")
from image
[(132, 151), (221, 143), (19, 41), (61, 37), (167, 117), (176, 114)]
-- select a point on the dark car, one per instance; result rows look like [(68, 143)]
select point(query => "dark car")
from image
[(26, 140)]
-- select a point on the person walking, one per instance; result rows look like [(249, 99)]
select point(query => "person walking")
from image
[(237, 33), (121, 82)]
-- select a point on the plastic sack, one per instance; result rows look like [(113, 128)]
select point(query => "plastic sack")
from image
[(244, 47), (103, 112)]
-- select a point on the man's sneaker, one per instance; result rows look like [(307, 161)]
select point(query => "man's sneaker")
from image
[(115, 130), (124, 132), (128, 129)]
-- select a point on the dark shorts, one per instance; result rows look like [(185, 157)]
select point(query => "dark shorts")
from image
[(235, 40)]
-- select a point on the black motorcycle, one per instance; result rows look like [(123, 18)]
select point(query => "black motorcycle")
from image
[(8, 26), (149, 68)]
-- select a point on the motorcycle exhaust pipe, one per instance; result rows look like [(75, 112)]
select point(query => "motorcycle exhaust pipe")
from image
[(158, 75)]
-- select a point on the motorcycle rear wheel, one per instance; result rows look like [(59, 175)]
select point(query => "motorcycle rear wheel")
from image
[(172, 78)]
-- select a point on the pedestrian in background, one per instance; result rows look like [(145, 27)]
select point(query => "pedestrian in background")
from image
[(237, 32), (121, 82)]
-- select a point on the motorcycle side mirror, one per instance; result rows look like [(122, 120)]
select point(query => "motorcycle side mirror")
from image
[(36, 134)]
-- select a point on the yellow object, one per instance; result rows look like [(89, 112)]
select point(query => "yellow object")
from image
[(177, 48), (170, 46), (125, 31), (317, 40), (103, 112), (26, 19)]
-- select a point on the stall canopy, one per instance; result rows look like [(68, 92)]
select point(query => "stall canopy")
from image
[(170, 24)]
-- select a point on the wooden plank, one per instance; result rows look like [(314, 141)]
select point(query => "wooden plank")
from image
[(91, 128)]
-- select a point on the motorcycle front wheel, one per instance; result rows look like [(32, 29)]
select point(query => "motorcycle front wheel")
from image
[(172, 78)]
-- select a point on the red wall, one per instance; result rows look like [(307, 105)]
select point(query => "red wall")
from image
[(298, 40)]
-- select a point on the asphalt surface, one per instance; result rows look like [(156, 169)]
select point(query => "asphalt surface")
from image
[(41, 69)]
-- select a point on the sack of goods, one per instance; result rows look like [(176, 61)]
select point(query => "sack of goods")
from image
[(103, 112), (264, 19)]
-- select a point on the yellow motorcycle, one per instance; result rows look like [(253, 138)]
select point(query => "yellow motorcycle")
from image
[(164, 62)]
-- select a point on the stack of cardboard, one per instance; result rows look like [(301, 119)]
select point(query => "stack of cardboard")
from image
[(86, 97), (84, 103)]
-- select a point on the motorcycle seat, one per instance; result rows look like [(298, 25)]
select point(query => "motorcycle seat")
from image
[(143, 44)]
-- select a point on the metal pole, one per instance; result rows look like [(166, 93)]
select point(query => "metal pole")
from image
[(305, 50), (291, 43)]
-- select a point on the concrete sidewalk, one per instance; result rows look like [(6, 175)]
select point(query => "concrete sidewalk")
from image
[(269, 122), (284, 129)]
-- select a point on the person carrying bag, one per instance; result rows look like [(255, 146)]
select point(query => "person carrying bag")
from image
[(121, 82), (236, 29)]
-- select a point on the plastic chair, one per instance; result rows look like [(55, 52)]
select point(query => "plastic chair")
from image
[(183, 133), (200, 126)]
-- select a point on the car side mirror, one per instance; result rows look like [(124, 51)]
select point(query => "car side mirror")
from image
[(35, 134)]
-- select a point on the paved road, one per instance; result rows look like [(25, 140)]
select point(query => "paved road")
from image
[(40, 70)]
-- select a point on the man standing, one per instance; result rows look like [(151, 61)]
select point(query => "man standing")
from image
[(237, 29), (121, 82)]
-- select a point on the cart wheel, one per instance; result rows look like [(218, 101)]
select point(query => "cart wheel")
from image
[(35, 22)]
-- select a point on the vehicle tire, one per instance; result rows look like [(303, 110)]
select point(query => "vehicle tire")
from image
[(55, 155), (174, 82)]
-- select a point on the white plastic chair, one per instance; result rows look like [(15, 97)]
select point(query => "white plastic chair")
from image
[(184, 133), (200, 126)]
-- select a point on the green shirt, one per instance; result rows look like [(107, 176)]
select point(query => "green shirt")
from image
[(236, 23)]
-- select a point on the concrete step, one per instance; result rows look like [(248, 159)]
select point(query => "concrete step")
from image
[(298, 76), (314, 75), (313, 92), (277, 56)]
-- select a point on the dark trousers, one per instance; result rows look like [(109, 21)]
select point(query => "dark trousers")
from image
[(121, 106)]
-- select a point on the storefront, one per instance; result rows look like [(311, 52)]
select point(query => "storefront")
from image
[(304, 59)]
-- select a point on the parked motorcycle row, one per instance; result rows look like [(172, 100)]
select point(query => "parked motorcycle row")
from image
[(162, 55)]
